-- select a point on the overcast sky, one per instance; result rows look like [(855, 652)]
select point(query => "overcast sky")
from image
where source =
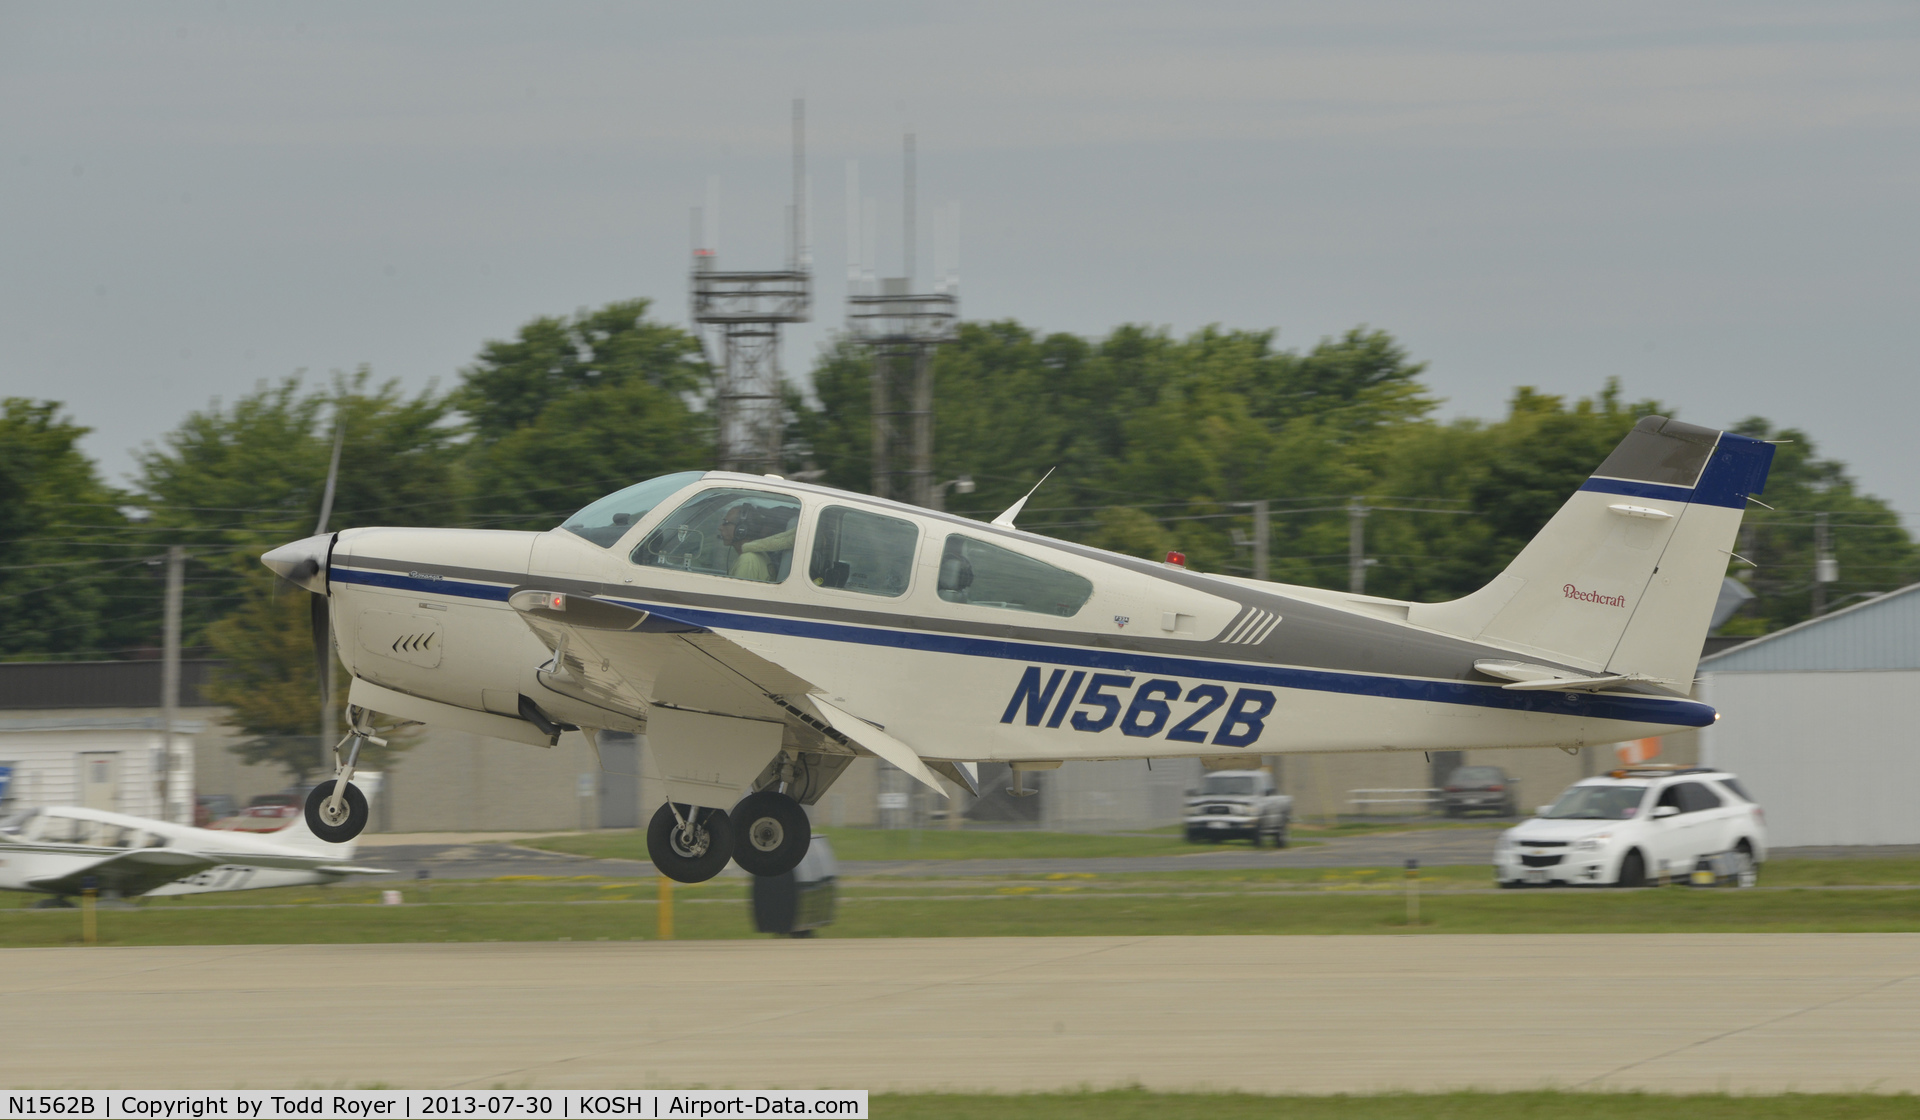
[(1714, 202)]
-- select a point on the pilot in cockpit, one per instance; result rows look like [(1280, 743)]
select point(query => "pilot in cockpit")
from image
[(758, 535)]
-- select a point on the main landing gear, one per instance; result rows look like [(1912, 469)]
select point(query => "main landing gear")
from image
[(766, 834), (688, 843), (771, 833)]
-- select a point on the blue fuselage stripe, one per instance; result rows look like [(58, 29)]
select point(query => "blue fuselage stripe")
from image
[(1632, 709)]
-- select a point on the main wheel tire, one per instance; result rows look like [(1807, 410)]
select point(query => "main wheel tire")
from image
[(771, 833), (1284, 837), (1749, 873), (336, 826), (1259, 835), (1633, 871), (694, 857)]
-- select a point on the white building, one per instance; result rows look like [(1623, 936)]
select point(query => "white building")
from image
[(89, 733), (1817, 720)]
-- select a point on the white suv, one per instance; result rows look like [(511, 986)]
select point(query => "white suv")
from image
[(1634, 827)]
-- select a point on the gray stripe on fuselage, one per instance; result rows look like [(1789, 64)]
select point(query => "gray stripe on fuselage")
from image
[(1309, 635)]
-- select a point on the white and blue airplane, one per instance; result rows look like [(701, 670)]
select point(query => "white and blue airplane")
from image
[(763, 633), (64, 850)]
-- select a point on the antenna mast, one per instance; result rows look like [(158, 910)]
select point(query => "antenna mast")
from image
[(740, 314), (901, 329)]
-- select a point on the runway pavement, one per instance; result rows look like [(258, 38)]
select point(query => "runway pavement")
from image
[(1746, 1013)]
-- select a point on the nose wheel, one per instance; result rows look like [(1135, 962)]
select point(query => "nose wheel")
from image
[(688, 843), (336, 819), (337, 810), (771, 833)]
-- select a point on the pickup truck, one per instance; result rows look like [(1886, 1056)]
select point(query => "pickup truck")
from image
[(1239, 804)]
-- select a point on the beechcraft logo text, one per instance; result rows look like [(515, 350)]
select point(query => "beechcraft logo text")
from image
[(1572, 592)]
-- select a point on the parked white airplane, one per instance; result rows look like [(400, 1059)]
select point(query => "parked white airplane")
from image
[(62, 850), (763, 633)]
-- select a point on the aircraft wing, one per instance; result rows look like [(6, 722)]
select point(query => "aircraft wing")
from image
[(625, 658), (130, 873)]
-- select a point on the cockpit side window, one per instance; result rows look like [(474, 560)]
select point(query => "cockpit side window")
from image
[(871, 553), (607, 520), (986, 575), (740, 534)]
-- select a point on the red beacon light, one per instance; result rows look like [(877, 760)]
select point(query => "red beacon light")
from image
[(1177, 559)]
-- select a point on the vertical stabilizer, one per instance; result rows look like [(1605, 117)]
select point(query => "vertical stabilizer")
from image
[(1624, 578)]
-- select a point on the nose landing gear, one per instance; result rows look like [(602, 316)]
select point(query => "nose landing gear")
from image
[(336, 810)]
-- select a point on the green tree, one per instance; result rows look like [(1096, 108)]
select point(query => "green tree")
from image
[(572, 409), (232, 481), (71, 570), (1874, 551)]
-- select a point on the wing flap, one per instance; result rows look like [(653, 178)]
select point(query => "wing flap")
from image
[(877, 740)]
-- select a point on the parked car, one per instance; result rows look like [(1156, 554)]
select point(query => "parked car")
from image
[(1480, 788), (1239, 804), (1635, 827), (210, 807)]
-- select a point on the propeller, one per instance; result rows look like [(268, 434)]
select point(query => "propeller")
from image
[(322, 615), (304, 564)]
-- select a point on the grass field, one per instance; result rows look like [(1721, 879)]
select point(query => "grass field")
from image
[(940, 843), (1140, 1105), (1274, 901)]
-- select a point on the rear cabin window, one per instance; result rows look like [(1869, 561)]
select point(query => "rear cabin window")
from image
[(739, 534), (871, 553), (1738, 790), (986, 575), (607, 520)]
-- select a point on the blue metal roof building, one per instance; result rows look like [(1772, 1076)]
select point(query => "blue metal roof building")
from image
[(1879, 634), (1817, 720)]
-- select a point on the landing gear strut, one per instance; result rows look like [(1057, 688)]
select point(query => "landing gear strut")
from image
[(771, 833), (689, 844), (337, 810)]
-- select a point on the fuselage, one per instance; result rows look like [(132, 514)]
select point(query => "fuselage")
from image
[(1043, 650)]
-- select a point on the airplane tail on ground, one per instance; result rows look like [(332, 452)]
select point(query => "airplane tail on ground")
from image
[(298, 835), (1622, 581)]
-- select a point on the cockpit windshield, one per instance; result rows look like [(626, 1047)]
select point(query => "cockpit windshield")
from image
[(607, 520), (1597, 803)]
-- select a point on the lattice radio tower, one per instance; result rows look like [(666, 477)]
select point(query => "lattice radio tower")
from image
[(738, 316), (901, 329)]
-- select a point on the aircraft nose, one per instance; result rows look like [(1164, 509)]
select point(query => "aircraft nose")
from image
[(304, 562)]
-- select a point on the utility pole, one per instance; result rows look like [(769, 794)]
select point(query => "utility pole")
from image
[(1356, 546), (172, 773), (1826, 569), (1262, 535)]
